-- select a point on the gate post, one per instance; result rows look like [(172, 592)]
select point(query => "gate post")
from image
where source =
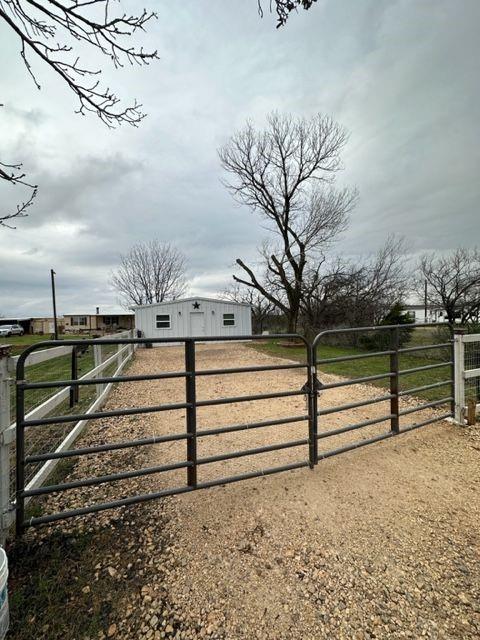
[(97, 360), (74, 389), (190, 393), (6, 439), (312, 405), (394, 380), (459, 375)]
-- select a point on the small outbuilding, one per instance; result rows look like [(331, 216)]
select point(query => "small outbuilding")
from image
[(193, 317)]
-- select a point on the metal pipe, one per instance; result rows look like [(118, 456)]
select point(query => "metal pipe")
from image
[(54, 304), (384, 327), (274, 367), (260, 396), (424, 368), (356, 445), (86, 381), (346, 383), (424, 387), (425, 422), (353, 405), (106, 414), (394, 381), (159, 494), (353, 427), (428, 405), (425, 347), (251, 452), (251, 425), (356, 357), (88, 482), (191, 413), (70, 453), (154, 376), (87, 342)]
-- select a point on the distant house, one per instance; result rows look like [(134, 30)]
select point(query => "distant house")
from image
[(431, 313), (41, 326), (98, 322)]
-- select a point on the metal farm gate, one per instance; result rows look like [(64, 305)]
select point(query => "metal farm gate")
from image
[(315, 416)]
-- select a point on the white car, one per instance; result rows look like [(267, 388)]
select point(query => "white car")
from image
[(11, 330)]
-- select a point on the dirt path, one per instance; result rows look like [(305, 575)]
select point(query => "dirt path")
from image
[(381, 542)]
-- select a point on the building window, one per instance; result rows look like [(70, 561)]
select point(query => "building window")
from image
[(79, 321), (228, 319), (163, 321)]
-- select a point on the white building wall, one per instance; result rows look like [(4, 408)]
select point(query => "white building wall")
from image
[(208, 320)]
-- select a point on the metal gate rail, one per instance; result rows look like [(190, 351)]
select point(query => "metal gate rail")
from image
[(191, 434), (192, 461), (393, 374)]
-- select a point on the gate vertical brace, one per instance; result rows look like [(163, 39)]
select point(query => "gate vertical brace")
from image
[(394, 380), (20, 445), (312, 406), (191, 398)]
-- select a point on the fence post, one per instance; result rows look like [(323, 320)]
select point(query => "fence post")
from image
[(459, 375), (6, 440), (74, 389), (119, 355), (97, 358), (190, 392), (394, 380)]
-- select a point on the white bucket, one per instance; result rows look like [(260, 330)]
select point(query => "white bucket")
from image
[(4, 615)]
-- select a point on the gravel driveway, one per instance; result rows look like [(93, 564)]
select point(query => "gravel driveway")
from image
[(380, 542)]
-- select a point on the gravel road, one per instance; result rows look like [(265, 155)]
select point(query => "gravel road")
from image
[(380, 542)]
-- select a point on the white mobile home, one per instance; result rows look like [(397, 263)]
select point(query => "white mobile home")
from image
[(193, 317)]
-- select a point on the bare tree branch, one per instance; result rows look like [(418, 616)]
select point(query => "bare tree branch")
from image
[(283, 8), (286, 174), (150, 272), (51, 31)]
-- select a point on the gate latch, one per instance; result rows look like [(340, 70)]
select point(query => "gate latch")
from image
[(317, 384)]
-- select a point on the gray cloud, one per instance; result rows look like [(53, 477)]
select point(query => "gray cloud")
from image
[(401, 76)]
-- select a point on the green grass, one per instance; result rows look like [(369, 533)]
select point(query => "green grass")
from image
[(46, 438), (20, 343), (372, 365)]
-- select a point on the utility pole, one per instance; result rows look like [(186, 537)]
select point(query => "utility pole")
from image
[(426, 300), (55, 327)]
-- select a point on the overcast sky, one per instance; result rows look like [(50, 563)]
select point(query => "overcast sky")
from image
[(402, 76)]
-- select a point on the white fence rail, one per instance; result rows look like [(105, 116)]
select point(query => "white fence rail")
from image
[(8, 430)]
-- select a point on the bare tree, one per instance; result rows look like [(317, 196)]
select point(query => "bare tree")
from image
[(356, 293), (453, 283), (150, 272), (53, 32), (285, 173), (261, 307), (283, 8)]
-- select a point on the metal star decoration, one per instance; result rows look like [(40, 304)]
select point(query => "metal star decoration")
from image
[(196, 305)]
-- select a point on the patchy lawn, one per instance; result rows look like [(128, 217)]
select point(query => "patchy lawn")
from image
[(371, 366)]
